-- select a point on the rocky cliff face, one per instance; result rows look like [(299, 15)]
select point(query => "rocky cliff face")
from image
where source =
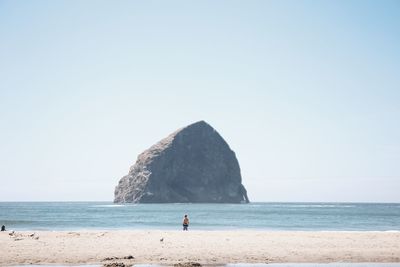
[(193, 164)]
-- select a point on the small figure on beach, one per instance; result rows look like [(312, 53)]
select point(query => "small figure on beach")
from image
[(3, 228), (185, 223)]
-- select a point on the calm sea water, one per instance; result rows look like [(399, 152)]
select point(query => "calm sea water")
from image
[(257, 216)]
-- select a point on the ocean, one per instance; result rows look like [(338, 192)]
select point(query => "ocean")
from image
[(253, 216)]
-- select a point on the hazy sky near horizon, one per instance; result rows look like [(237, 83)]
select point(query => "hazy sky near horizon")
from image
[(307, 93)]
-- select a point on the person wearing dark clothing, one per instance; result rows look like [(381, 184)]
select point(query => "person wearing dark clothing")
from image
[(185, 223), (3, 228)]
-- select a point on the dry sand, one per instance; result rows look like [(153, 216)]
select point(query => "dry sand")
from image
[(206, 247)]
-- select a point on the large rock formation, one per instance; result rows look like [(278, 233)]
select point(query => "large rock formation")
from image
[(193, 164)]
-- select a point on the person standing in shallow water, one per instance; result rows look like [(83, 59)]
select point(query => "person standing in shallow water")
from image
[(185, 223)]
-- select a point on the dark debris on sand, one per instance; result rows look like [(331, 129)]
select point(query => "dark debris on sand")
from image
[(130, 257), (116, 264), (187, 264)]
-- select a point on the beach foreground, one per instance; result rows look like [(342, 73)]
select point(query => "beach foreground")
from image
[(205, 247)]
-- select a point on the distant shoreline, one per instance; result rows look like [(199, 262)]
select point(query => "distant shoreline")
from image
[(205, 247)]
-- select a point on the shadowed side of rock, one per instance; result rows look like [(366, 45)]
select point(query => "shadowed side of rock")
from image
[(192, 165)]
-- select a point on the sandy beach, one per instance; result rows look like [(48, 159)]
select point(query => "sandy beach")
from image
[(206, 247)]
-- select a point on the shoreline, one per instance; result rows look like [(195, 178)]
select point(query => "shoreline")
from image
[(215, 247), (89, 230)]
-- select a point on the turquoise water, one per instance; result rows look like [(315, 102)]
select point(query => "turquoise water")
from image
[(257, 216)]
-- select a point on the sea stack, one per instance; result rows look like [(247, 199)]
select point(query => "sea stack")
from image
[(192, 165)]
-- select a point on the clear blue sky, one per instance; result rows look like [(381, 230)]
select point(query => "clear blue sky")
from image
[(307, 93)]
